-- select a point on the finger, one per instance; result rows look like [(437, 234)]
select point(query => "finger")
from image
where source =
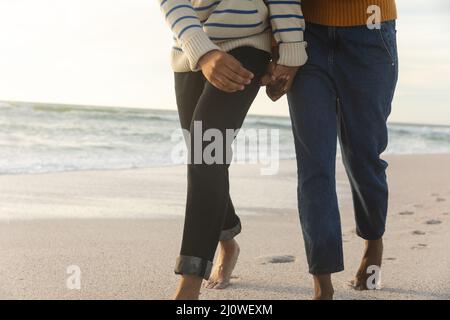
[(268, 77), (218, 84), (237, 67), (265, 80), (234, 77), (230, 84), (225, 85)]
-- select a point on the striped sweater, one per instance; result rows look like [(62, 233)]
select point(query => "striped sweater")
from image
[(200, 26)]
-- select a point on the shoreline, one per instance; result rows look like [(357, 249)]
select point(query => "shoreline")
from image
[(156, 166)]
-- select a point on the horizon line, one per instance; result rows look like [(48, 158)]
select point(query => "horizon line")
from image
[(65, 104)]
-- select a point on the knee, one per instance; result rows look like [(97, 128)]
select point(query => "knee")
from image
[(365, 167)]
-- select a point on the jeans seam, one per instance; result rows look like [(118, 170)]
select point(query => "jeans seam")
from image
[(386, 47)]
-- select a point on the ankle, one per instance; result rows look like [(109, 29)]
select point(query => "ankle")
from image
[(324, 296), (373, 252), (188, 288), (374, 244), (323, 287), (229, 245)]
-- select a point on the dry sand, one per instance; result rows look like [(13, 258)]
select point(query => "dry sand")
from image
[(123, 229)]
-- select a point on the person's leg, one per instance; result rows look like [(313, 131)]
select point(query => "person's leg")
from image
[(312, 103), (208, 186), (366, 74), (188, 87)]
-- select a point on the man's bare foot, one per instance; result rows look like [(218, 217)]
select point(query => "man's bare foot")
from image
[(323, 287), (227, 259), (188, 288), (373, 256)]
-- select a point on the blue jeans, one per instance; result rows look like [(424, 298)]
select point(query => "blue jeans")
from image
[(344, 91)]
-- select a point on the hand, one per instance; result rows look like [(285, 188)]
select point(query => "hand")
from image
[(268, 76), (282, 79), (224, 72)]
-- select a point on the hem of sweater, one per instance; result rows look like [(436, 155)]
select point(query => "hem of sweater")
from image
[(346, 25), (346, 13), (262, 41)]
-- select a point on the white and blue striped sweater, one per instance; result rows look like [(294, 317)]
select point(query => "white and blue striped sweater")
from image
[(200, 26)]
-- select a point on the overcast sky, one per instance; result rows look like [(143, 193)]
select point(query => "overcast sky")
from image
[(116, 53)]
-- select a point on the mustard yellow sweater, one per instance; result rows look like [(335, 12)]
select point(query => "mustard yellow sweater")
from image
[(342, 13)]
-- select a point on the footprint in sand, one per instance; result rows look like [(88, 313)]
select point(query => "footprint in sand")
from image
[(391, 259), (446, 214), (435, 194), (406, 213), (440, 199), (418, 233), (419, 246), (433, 222), (276, 259), (418, 206)]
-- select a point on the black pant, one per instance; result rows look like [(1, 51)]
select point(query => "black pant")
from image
[(210, 215)]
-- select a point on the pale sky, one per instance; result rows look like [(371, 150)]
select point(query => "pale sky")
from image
[(116, 53)]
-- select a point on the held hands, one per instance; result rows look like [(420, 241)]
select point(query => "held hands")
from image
[(278, 80), (224, 72)]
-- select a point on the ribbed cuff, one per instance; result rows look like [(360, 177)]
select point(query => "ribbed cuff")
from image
[(196, 46), (293, 54)]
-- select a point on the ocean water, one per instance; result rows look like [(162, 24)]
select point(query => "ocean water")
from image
[(38, 138)]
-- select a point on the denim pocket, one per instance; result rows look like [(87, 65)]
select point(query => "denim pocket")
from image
[(388, 38)]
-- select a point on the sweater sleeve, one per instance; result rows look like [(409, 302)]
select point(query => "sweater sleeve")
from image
[(288, 25), (187, 28)]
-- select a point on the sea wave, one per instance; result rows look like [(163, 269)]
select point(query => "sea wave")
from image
[(37, 138)]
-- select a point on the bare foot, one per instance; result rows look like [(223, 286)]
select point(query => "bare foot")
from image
[(221, 274), (188, 288), (323, 287), (373, 256)]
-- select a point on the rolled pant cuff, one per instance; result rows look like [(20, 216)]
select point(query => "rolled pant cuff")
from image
[(230, 233), (318, 272), (370, 237), (193, 266)]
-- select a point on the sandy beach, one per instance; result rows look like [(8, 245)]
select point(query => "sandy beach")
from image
[(123, 229)]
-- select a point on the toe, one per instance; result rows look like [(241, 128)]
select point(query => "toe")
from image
[(356, 285), (221, 285)]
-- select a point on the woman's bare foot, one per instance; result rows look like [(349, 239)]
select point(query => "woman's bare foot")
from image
[(323, 287), (188, 288), (373, 256), (227, 259)]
